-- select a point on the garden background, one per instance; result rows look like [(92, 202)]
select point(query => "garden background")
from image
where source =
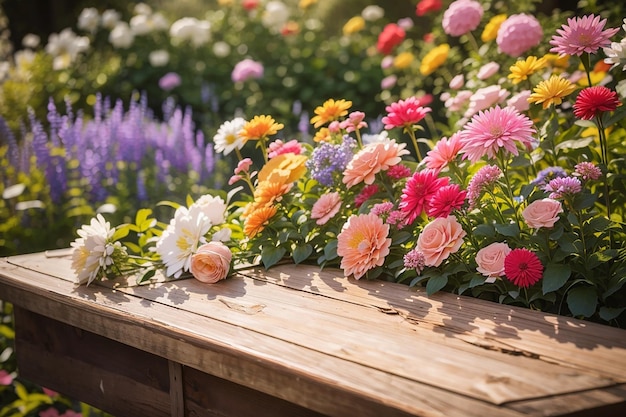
[(140, 90)]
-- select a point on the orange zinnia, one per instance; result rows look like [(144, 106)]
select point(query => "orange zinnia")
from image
[(257, 220), (329, 111), (260, 127), (268, 193)]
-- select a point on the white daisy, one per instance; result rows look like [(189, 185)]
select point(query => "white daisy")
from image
[(213, 207), (228, 136), (616, 54), (93, 250), (181, 239)]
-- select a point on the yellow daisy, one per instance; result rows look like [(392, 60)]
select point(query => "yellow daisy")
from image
[(354, 25), (403, 60), (524, 68), (260, 127), (329, 111), (491, 28), (322, 135), (551, 91), (434, 59)]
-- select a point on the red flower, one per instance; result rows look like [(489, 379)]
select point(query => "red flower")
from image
[(592, 101), (418, 191), (425, 6), (389, 38), (445, 200), (250, 4), (522, 267)]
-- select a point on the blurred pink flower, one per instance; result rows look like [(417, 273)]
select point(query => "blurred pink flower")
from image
[(247, 69), (169, 81), (457, 82), (363, 244), (391, 36), (582, 34), (518, 33), (461, 17), (397, 172), (487, 70), (5, 378), (492, 130), (425, 6), (486, 97), (405, 113), (373, 158), (366, 193), (520, 101), (278, 147), (457, 102), (444, 152), (326, 207)]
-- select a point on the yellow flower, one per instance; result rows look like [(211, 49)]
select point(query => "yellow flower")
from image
[(403, 60), (523, 68), (558, 61), (293, 164), (491, 29), (551, 91), (225, 2), (260, 127), (434, 59), (354, 25), (329, 111), (322, 135), (596, 78), (304, 4)]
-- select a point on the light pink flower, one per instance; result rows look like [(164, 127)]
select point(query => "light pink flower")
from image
[(492, 130), (518, 33), (461, 17), (542, 213), (170, 81), (388, 82), (563, 186), (484, 178), (5, 378), (487, 70), (326, 207), (247, 69), (520, 101), (373, 158), (405, 113), (211, 262), (486, 97), (363, 244), (354, 122), (440, 238), (457, 102), (414, 259), (278, 147), (490, 260), (457, 82), (445, 151), (587, 171), (580, 35), (243, 166)]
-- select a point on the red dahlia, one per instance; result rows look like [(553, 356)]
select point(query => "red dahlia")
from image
[(592, 101), (522, 267)]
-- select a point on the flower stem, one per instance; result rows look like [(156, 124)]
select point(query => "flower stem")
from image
[(411, 133)]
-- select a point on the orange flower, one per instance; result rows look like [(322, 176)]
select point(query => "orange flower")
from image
[(373, 158), (268, 193), (260, 127), (322, 135), (329, 111), (363, 244), (258, 219), (292, 163)]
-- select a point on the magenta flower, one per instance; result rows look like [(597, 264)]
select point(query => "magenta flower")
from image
[(447, 199), (170, 81), (461, 17), (418, 191), (366, 193), (495, 129), (397, 172), (580, 35), (247, 69), (518, 33), (405, 113)]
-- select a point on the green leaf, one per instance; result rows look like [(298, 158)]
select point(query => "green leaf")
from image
[(582, 301), (610, 313), (476, 281), (436, 283), (508, 230), (142, 215), (486, 230), (301, 253), (147, 276), (270, 255), (330, 250), (555, 276), (400, 237)]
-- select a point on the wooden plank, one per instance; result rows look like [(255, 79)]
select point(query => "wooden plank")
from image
[(110, 376), (268, 365), (177, 396)]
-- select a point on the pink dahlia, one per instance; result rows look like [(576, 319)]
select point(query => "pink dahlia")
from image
[(447, 199), (580, 35), (562, 186), (278, 147), (405, 113), (593, 101), (363, 244), (518, 33), (418, 191), (445, 151), (522, 267), (326, 207), (373, 158), (366, 193), (495, 129), (461, 17)]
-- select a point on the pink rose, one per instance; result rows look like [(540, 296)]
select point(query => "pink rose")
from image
[(439, 239), (211, 262), (490, 260), (542, 213)]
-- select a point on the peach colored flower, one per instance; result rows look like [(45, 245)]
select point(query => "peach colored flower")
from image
[(439, 239), (268, 193), (293, 164), (363, 244), (211, 262), (542, 213), (490, 260), (444, 152), (326, 207), (372, 159)]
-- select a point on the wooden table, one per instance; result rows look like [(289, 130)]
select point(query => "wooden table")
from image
[(297, 341)]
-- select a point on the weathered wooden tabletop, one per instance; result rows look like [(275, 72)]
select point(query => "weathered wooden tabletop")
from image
[(337, 346)]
